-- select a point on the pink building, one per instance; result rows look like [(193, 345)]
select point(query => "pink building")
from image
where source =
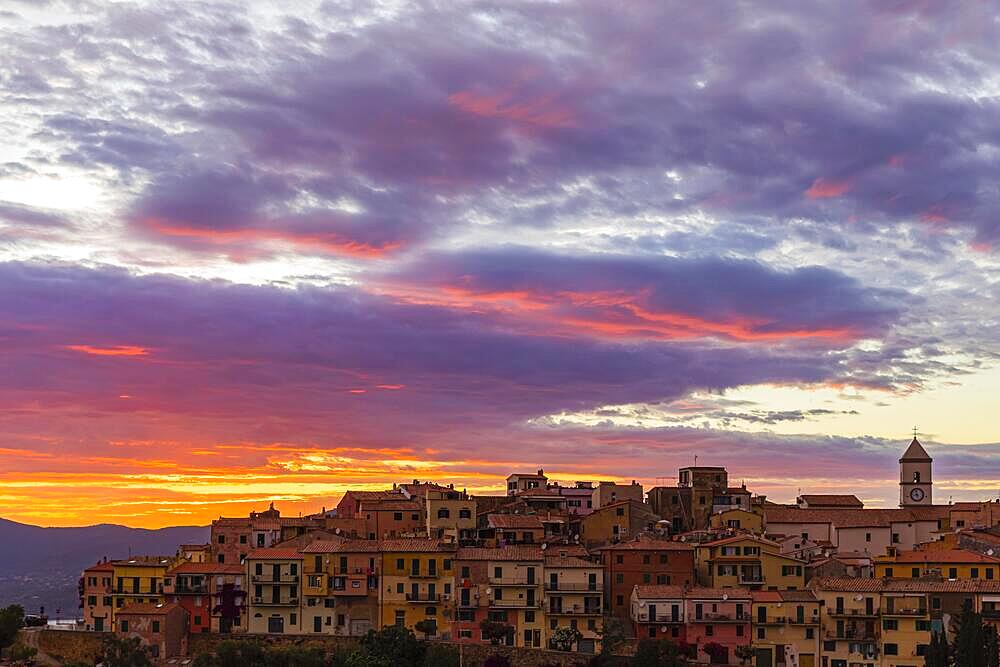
[(96, 596), (162, 628), (713, 620)]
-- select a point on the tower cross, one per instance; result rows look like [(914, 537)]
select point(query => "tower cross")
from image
[(914, 432)]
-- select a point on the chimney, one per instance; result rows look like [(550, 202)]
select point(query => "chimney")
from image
[(540, 472)]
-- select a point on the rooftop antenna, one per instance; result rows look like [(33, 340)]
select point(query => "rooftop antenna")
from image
[(695, 460), (914, 432)]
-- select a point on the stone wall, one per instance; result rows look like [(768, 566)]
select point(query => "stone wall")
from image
[(69, 645)]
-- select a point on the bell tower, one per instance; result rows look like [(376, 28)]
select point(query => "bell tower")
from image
[(915, 476)]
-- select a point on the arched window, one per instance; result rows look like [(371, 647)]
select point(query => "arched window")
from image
[(443, 513), (916, 477)]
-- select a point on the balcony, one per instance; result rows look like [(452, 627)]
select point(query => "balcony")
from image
[(853, 613), (270, 579), (805, 620), (852, 635), (424, 575), (271, 602), (733, 617), (423, 598), (514, 581), (666, 618), (906, 611), (187, 589), (751, 580), (772, 620), (571, 586), (516, 604), (575, 610), (991, 613)]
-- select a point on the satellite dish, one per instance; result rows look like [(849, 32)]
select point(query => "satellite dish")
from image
[(336, 531), (859, 598), (663, 629), (725, 596), (989, 552), (544, 546), (642, 604)]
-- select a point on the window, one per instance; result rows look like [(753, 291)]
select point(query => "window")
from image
[(739, 630), (620, 511), (709, 630), (652, 632), (663, 579), (761, 633), (221, 558), (222, 539), (868, 537), (400, 564), (444, 513), (446, 564), (646, 577), (92, 600), (397, 516), (974, 573), (646, 559), (197, 620), (895, 538), (619, 578), (935, 603), (498, 573), (399, 587), (293, 618), (890, 624), (890, 649), (953, 573), (415, 517), (663, 559), (701, 500), (124, 625), (810, 633), (464, 514), (154, 650), (465, 572), (619, 559), (243, 539), (888, 572), (923, 626), (915, 572), (620, 600)]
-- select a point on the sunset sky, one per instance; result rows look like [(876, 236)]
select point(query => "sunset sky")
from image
[(272, 251)]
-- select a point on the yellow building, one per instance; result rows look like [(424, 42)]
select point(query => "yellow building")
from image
[(850, 622), (786, 628), (139, 580), (738, 519), (574, 594), (274, 604), (950, 564), (451, 514), (340, 587), (748, 561), (417, 584)]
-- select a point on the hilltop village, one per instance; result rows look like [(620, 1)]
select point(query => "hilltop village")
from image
[(711, 567)]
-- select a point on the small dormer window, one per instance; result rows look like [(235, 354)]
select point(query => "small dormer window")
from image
[(916, 477)]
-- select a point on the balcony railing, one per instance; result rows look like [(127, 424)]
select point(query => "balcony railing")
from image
[(661, 618), (514, 581), (187, 589), (906, 611), (516, 604), (713, 617), (423, 575), (423, 597), (574, 586), (271, 602), (991, 613), (271, 579), (848, 634), (576, 610), (859, 613)]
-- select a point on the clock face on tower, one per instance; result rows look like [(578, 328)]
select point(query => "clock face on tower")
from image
[(917, 494)]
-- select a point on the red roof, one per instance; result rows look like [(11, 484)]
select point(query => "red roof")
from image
[(148, 609), (568, 562), (514, 521), (690, 593), (853, 518), (858, 585), (646, 543), (517, 552), (341, 547), (274, 554), (938, 556), (832, 500), (415, 544), (101, 567), (205, 568)]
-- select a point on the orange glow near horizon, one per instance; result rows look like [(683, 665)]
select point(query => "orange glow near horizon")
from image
[(112, 351)]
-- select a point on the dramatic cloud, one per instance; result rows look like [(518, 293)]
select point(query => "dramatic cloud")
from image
[(312, 246)]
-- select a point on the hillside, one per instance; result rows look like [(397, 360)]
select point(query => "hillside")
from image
[(40, 566)]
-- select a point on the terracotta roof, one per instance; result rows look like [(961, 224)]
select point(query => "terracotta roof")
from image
[(832, 500), (568, 562), (526, 475), (915, 452), (691, 592), (937, 556), (538, 493), (851, 518), (234, 522), (765, 596), (389, 506), (646, 543), (274, 554), (374, 495), (415, 544), (739, 538), (516, 552), (847, 584), (205, 568), (101, 567), (342, 547), (514, 521), (797, 596), (145, 561), (148, 609)]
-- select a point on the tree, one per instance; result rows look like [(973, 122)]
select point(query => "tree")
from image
[(658, 653), (11, 620), (744, 653), (495, 631), (612, 635), (396, 644), (22, 653), (975, 643), (937, 651), (428, 627), (715, 651), (124, 653), (441, 655), (565, 638)]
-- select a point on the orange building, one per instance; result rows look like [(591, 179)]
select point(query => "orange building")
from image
[(162, 628), (96, 598), (643, 561)]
